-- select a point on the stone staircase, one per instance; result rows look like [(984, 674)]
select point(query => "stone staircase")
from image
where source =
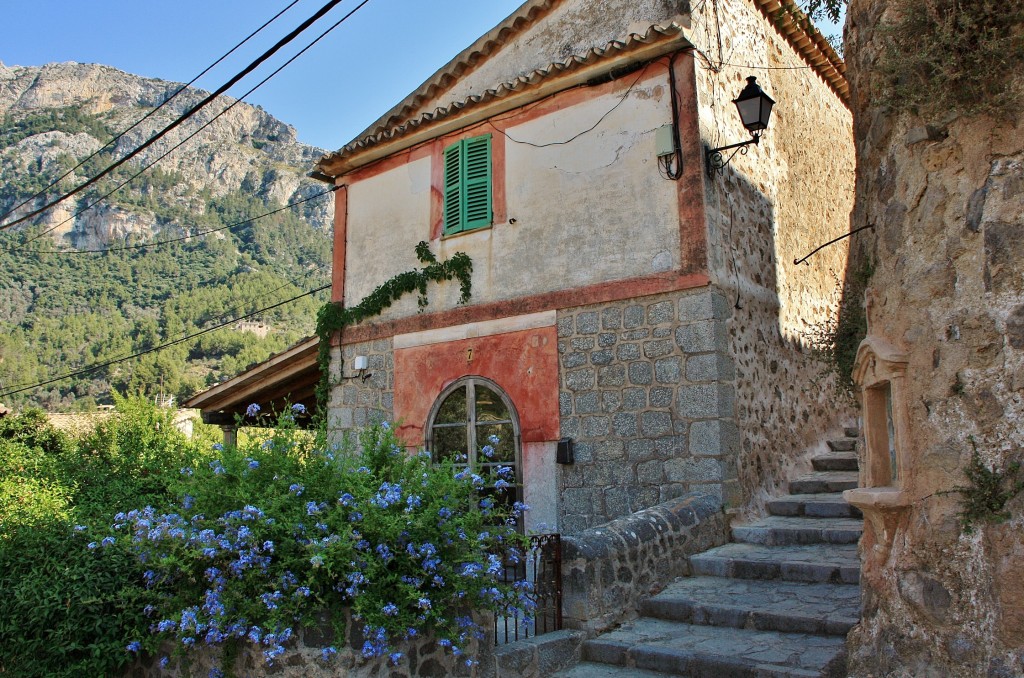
[(776, 602)]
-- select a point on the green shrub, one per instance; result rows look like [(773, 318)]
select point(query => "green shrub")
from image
[(65, 610), (263, 537)]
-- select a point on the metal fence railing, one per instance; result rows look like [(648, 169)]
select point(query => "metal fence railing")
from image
[(542, 567)]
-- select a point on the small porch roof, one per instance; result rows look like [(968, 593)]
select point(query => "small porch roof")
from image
[(284, 379)]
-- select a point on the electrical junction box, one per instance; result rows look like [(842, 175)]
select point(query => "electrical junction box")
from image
[(665, 140)]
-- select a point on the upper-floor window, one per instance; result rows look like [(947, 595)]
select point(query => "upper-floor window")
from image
[(467, 185)]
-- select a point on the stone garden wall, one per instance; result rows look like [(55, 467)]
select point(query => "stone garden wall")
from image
[(607, 570)]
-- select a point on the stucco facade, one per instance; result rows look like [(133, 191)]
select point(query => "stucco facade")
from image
[(644, 310)]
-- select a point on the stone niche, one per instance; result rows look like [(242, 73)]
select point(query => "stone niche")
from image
[(880, 373)]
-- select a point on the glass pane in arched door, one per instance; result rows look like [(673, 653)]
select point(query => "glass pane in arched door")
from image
[(463, 421)]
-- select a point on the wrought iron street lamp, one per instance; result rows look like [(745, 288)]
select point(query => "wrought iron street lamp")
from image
[(755, 109)]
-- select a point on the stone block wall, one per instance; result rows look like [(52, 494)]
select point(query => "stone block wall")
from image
[(646, 393), (355, 401), (607, 570)]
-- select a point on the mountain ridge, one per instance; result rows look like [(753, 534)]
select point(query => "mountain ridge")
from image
[(63, 308)]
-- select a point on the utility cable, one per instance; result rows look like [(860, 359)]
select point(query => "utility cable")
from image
[(200, 129), (183, 238), (189, 113), (576, 136), (141, 120), (160, 347)]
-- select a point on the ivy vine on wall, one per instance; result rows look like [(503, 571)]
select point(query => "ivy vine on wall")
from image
[(333, 317)]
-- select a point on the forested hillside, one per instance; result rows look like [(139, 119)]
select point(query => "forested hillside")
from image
[(76, 290)]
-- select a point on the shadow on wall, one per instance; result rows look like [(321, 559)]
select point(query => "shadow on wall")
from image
[(783, 325)]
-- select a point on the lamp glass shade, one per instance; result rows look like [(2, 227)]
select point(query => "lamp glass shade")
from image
[(754, 106)]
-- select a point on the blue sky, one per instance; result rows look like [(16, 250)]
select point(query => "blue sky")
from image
[(329, 94)]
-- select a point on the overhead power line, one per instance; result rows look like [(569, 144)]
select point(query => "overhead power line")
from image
[(186, 115), (197, 131), (174, 240), (160, 347), (141, 120)]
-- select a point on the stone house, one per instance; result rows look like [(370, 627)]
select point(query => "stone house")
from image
[(627, 302)]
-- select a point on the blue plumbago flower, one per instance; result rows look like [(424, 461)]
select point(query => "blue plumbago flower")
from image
[(395, 657), (312, 508), (252, 462), (92, 545), (166, 625), (363, 469), (478, 482), (501, 484), (493, 439), (385, 425), (388, 494), (188, 641), (296, 489), (390, 609), (133, 646), (506, 472), (444, 512), (219, 447), (346, 499), (80, 528), (519, 507), (471, 569), (267, 444), (217, 467), (107, 541), (423, 603), (328, 653), (164, 661), (252, 410), (255, 634), (187, 501), (186, 471), (216, 673), (486, 503), (268, 546), (316, 561), (412, 502), (298, 408), (493, 564), (303, 591), (384, 552), (488, 451)]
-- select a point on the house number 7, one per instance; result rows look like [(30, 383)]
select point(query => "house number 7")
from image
[(469, 355)]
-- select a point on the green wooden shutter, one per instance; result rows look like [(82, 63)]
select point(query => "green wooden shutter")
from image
[(477, 182), (453, 189), (467, 185)]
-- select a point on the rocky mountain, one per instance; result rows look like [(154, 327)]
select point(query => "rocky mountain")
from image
[(72, 295)]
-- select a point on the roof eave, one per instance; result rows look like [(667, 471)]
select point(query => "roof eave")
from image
[(501, 100)]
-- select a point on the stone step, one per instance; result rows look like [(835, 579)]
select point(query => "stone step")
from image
[(813, 506), (843, 445), (688, 650), (592, 670), (823, 482), (835, 462), (790, 607), (782, 531), (826, 563)]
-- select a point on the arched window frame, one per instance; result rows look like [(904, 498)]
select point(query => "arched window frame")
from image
[(470, 383)]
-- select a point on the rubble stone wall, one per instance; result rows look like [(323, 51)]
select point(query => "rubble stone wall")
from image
[(770, 206), (947, 201)]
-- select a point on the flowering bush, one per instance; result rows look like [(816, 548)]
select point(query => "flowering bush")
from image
[(263, 536)]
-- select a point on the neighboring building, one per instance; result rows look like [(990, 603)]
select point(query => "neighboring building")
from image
[(622, 297)]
